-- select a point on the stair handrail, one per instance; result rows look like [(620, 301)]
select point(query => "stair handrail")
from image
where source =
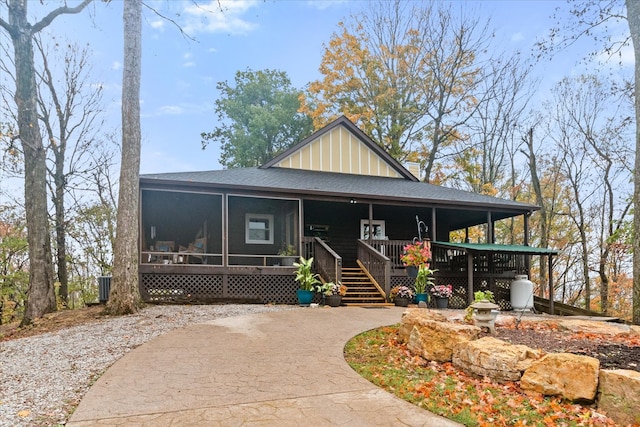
[(327, 262), (377, 264), (373, 281)]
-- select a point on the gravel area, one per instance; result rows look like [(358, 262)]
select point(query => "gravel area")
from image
[(43, 377)]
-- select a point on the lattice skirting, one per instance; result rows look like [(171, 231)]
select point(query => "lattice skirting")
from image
[(203, 288), (501, 288)]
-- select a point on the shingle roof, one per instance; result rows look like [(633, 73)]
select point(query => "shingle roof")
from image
[(301, 182)]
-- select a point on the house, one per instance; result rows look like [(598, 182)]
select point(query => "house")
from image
[(336, 196)]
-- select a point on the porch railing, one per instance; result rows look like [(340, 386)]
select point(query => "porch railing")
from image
[(392, 249), (378, 265), (326, 262)]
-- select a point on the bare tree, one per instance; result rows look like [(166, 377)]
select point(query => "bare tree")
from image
[(507, 90), (589, 132), (41, 296), (124, 296), (633, 18), (452, 83), (69, 112), (589, 15)]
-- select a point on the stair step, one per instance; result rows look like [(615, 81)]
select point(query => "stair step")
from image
[(360, 290)]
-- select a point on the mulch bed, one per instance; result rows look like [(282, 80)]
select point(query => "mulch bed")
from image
[(613, 352)]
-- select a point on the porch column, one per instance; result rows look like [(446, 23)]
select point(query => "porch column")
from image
[(469, 277), (551, 308), (489, 228), (527, 258), (225, 231), (433, 225), (370, 223)]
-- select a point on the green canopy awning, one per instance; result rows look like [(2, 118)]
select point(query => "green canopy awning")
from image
[(486, 247)]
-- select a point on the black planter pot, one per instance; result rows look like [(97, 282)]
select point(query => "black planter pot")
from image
[(333, 300), (401, 301), (442, 302)]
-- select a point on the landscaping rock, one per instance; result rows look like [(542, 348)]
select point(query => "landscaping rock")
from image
[(494, 358), (570, 376), (593, 327), (416, 316), (619, 395), (435, 340)]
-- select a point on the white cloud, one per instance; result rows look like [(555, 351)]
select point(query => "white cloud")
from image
[(116, 65), (189, 64), (170, 110), (157, 24), (219, 16), (325, 4), (624, 57), (184, 108)]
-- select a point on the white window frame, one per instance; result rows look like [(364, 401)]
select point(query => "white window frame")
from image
[(268, 219), (378, 224)]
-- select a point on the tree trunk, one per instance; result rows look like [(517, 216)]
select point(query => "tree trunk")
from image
[(633, 17), (61, 241), (124, 296), (41, 295)]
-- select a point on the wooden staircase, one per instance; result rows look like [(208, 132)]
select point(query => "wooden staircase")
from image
[(360, 290)]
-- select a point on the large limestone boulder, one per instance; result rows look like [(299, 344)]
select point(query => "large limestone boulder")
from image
[(494, 358), (593, 327), (619, 395), (570, 376), (416, 316), (434, 340)]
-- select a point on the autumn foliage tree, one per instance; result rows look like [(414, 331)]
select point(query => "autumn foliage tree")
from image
[(407, 74)]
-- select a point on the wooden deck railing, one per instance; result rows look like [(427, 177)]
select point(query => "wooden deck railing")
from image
[(326, 262), (378, 265), (393, 250)]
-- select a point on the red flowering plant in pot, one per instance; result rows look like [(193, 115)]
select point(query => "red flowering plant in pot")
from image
[(415, 255)]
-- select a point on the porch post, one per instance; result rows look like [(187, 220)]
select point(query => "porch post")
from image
[(225, 230), (370, 223), (301, 228), (550, 269), (489, 228), (527, 258), (433, 225), (469, 277)]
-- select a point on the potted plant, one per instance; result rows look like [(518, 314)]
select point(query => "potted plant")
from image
[(289, 253), (401, 295), (414, 255), (442, 293), (424, 278), (306, 279), (333, 293)]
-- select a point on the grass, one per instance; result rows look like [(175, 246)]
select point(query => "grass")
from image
[(447, 391)]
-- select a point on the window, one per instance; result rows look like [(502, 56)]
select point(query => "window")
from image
[(378, 229), (259, 229)]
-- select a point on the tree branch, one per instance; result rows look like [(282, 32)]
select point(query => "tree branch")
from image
[(44, 22)]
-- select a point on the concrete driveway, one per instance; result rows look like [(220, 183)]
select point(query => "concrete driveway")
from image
[(283, 368)]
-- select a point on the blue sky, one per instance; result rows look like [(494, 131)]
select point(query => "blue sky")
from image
[(179, 75)]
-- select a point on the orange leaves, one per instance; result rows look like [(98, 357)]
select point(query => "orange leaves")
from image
[(444, 389)]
